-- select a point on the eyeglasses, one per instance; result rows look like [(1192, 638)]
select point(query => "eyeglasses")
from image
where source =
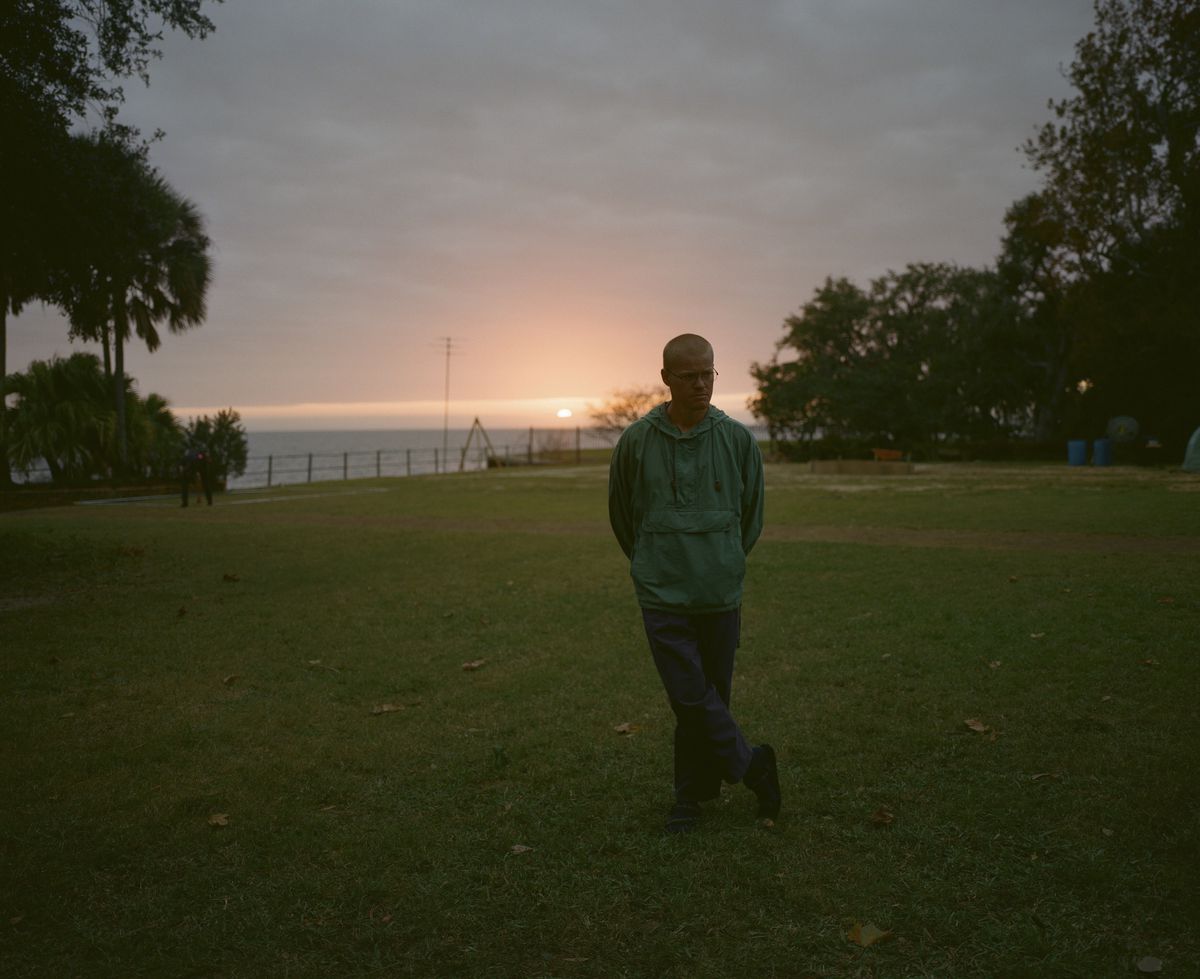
[(691, 377)]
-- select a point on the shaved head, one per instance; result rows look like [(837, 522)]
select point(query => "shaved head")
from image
[(684, 347)]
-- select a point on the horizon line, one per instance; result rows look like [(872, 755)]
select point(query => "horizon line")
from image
[(543, 410)]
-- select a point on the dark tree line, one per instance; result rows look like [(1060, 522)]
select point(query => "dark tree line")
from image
[(64, 418), (1092, 308), (921, 357), (86, 223)]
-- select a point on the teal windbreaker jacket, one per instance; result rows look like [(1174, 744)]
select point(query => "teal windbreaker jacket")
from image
[(686, 508)]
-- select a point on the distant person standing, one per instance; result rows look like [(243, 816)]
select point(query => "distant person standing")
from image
[(685, 499), (196, 462)]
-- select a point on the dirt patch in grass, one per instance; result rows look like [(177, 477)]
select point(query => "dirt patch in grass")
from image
[(985, 540)]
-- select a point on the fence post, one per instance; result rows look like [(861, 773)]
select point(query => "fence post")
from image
[(530, 455), (408, 462), (378, 471), (269, 464), (309, 480), (435, 461), (578, 447), (345, 465)]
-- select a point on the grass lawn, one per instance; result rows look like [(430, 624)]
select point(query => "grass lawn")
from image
[(199, 780)]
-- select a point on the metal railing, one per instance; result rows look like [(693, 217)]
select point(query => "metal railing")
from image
[(542, 446)]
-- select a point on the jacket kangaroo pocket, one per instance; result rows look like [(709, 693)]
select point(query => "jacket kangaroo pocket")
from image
[(689, 558)]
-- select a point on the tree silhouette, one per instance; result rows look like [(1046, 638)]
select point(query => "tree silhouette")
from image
[(61, 416), (64, 416), (622, 408), (150, 266), (60, 60), (1118, 217)]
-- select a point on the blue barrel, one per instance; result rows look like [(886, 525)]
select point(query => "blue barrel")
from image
[(1077, 452), (1102, 452)]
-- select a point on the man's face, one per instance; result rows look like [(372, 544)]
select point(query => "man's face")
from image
[(689, 375)]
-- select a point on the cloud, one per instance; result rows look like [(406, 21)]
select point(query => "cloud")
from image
[(563, 184)]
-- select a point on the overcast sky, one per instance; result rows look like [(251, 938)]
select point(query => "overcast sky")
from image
[(563, 185)]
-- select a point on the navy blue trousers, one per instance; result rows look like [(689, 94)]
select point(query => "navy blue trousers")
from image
[(694, 655)]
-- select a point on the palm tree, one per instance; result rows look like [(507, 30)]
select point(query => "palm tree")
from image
[(156, 438), (150, 262), (62, 416)]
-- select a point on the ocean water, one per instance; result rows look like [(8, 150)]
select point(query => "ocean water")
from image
[(277, 458)]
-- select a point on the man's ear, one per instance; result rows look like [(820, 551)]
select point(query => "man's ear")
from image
[(663, 375)]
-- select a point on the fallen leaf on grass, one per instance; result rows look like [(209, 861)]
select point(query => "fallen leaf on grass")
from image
[(627, 728), (994, 664), (1106, 831), (883, 816), (1037, 635), (182, 612), (219, 819), (1166, 600), (231, 679), (1149, 964), (1013, 577), (1149, 661), (867, 935), (1041, 775), (473, 664), (521, 848), (230, 577), (976, 725), (386, 709)]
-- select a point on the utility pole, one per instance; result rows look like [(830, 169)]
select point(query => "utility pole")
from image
[(449, 342)]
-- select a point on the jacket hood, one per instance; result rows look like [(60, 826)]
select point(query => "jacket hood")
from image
[(658, 417)]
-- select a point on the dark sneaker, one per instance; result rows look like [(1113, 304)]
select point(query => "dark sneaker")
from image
[(683, 817), (762, 778)]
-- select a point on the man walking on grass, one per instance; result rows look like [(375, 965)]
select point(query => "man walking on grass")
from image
[(685, 499)]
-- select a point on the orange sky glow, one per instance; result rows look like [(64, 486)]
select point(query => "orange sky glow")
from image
[(561, 189), (494, 412)]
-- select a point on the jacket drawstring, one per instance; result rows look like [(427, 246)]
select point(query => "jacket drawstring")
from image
[(674, 477), (712, 458)]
